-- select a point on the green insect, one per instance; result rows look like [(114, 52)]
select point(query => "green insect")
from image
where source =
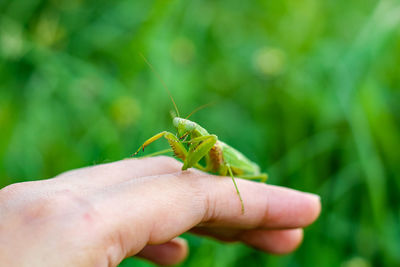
[(220, 158)]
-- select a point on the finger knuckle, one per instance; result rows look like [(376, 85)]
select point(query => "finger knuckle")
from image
[(11, 192), (58, 204), (12, 189), (43, 207), (211, 199)]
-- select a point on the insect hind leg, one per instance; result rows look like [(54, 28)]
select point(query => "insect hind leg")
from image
[(262, 177), (236, 187)]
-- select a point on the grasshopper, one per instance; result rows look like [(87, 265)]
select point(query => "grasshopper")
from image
[(220, 158)]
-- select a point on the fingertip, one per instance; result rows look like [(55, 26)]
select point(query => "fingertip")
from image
[(183, 250), (289, 208), (293, 239), (318, 207), (312, 206), (266, 206), (170, 253), (274, 241)]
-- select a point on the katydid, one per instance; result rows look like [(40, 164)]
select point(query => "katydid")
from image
[(220, 158)]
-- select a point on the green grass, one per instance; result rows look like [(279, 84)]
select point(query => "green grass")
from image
[(309, 90)]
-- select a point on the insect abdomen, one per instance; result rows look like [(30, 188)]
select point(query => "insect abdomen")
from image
[(216, 157), (239, 163)]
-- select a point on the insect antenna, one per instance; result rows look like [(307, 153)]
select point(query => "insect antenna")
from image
[(200, 108), (162, 82)]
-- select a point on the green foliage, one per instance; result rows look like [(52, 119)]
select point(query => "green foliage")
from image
[(308, 89)]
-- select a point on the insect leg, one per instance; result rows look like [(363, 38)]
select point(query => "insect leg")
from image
[(237, 189), (149, 141), (200, 167), (176, 145), (178, 149), (197, 152), (262, 176), (198, 139), (157, 153)]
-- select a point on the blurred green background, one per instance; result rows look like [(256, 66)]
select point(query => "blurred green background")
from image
[(307, 89)]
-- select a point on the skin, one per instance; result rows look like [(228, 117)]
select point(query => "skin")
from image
[(97, 216)]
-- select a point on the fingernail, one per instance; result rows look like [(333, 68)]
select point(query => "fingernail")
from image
[(179, 241), (315, 196)]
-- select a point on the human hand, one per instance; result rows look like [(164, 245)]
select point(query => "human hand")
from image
[(97, 216)]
